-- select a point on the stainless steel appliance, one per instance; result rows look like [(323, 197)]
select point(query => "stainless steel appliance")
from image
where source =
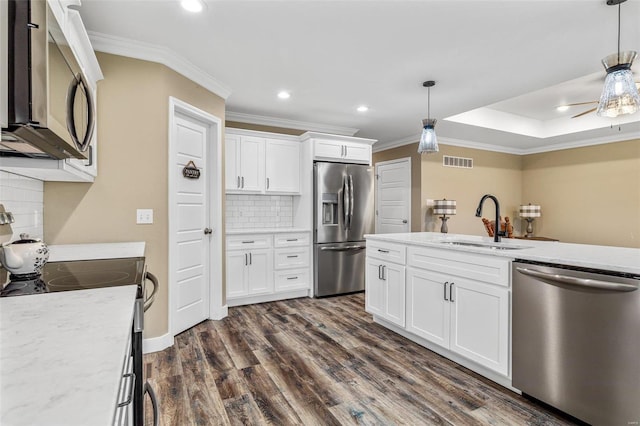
[(50, 107), (89, 274), (576, 340), (343, 214)]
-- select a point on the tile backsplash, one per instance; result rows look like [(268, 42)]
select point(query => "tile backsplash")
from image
[(24, 197), (259, 211)]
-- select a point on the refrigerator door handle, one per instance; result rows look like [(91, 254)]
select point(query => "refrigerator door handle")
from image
[(351, 200), (345, 202)]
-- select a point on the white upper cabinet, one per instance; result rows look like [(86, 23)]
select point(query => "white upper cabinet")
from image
[(261, 163), (282, 166), (341, 149), (244, 164)]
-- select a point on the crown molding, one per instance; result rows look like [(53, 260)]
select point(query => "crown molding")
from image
[(151, 52), (288, 124), (621, 137)]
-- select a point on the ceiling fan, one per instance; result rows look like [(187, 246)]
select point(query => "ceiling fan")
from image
[(566, 106)]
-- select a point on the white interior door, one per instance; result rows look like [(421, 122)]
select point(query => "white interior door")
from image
[(393, 196), (191, 250)]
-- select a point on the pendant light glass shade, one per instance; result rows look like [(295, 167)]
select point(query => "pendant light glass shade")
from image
[(428, 141), (620, 94)]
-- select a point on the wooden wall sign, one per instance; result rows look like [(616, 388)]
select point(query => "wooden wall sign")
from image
[(190, 171)]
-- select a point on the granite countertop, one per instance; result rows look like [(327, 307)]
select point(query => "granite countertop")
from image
[(67, 252), (265, 231), (619, 259), (61, 355)]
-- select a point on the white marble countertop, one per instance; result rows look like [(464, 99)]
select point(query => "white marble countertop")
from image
[(619, 259), (61, 356), (67, 252), (265, 231)]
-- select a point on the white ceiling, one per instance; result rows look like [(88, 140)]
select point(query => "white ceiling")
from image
[(516, 60)]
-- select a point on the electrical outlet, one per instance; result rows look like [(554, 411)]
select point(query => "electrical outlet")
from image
[(144, 216)]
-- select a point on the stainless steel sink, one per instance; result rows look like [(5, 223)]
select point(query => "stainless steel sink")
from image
[(491, 246)]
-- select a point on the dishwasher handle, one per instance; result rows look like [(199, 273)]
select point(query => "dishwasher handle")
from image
[(555, 279)]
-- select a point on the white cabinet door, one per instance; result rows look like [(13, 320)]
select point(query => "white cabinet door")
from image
[(244, 164), (357, 153), (260, 271), (428, 313), (385, 290), (251, 164), (282, 163), (328, 150), (232, 162), (374, 288), (480, 324), (236, 274), (394, 288)]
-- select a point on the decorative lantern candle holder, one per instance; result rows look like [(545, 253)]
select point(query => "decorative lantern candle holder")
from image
[(443, 208), (529, 213)]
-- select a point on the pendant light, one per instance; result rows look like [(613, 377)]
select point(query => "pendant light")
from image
[(428, 141), (620, 94)]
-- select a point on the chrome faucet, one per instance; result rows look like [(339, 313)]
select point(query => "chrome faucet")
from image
[(497, 233)]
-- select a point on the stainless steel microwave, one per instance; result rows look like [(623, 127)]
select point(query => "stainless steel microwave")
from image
[(50, 108)]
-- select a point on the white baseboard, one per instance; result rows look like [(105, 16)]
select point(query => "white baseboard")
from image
[(155, 344), (250, 300), (219, 312)]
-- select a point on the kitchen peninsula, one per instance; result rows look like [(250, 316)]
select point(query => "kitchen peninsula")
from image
[(534, 316)]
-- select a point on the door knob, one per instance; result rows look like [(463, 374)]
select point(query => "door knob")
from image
[(207, 231), (404, 220)]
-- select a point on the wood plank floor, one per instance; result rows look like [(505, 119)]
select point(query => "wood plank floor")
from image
[(321, 362)]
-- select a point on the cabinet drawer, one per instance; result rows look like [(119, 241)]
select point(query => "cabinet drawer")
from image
[(476, 267), (295, 257), (386, 251), (240, 242), (291, 240), (292, 279)]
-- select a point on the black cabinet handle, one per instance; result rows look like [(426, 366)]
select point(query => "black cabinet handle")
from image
[(451, 292), (445, 290)]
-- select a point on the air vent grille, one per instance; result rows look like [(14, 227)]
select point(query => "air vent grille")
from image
[(459, 162)]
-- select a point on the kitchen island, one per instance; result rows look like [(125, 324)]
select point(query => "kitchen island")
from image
[(452, 293), (62, 356)]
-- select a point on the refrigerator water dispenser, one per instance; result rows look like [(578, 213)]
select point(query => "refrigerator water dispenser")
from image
[(329, 209)]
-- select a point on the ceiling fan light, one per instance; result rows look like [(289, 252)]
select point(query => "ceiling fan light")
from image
[(620, 95), (428, 140)]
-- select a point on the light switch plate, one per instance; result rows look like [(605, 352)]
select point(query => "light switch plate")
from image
[(144, 216), (430, 202)]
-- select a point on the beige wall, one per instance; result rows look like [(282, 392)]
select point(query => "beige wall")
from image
[(404, 152), (588, 195), (133, 108), (575, 187), (261, 128), (492, 173)]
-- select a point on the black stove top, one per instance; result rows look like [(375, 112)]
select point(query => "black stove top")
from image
[(78, 275)]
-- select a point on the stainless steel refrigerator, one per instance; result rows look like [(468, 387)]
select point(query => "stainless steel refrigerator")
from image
[(343, 214)]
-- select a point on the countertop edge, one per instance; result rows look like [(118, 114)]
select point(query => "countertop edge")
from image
[(607, 258)]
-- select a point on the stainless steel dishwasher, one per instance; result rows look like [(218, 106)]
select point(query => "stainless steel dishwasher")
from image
[(576, 340)]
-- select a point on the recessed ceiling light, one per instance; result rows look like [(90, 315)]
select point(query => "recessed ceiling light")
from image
[(562, 108), (284, 94), (363, 108), (194, 6)]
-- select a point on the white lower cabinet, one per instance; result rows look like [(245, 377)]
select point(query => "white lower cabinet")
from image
[(459, 302), (249, 272), (385, 290), (257, 272), (385, 282), (466, 317)]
